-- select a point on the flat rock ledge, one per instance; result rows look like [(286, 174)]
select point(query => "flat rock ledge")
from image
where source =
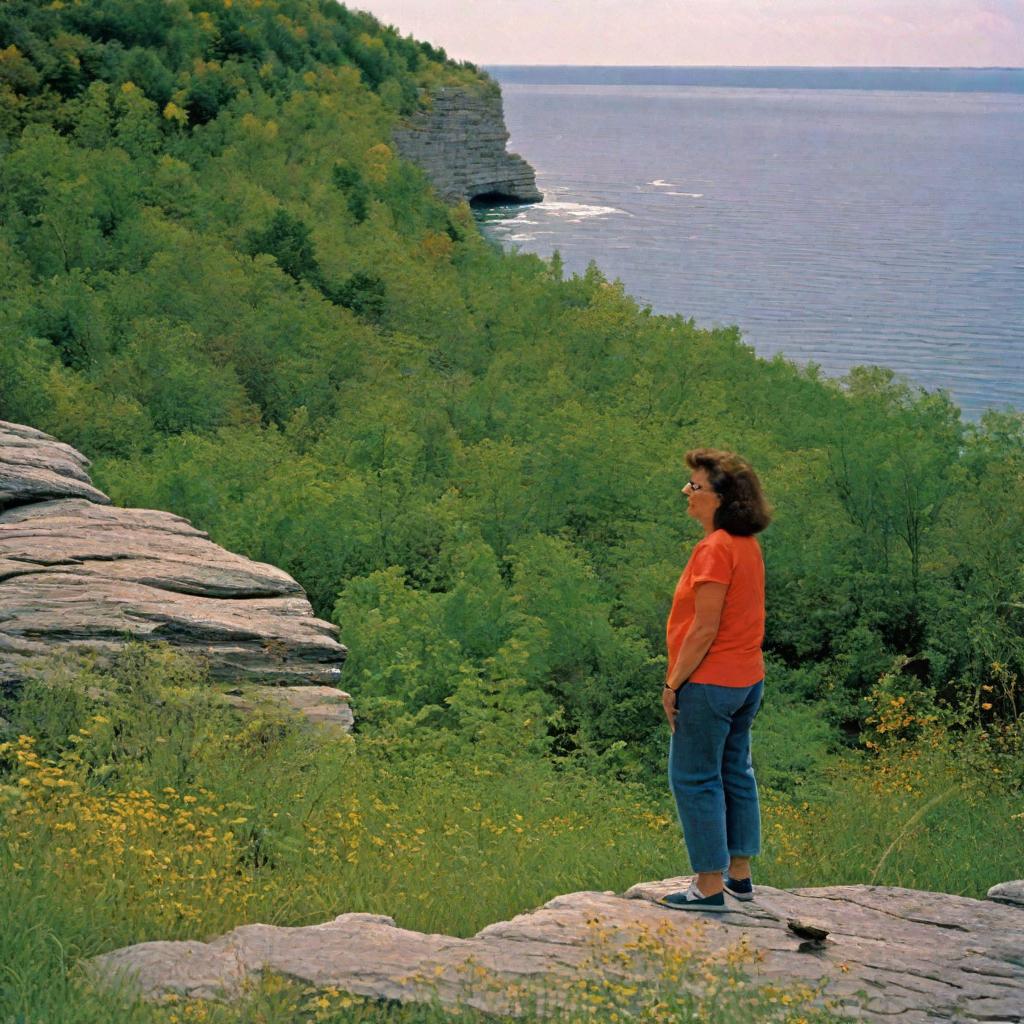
[(890, 953), (80, 575)]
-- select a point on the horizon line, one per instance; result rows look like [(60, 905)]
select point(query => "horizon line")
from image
[(775, 67)]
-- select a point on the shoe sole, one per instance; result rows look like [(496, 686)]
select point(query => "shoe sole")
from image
[(743, 897), (710, 908)]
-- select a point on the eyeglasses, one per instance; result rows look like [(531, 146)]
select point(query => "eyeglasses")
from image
[(693, 486)]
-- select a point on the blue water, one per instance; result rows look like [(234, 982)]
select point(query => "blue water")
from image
[(872, 223)]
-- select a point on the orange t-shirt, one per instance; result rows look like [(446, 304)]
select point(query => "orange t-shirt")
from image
[(734, 658)]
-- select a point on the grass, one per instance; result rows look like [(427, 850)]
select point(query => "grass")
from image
[(160, 815)]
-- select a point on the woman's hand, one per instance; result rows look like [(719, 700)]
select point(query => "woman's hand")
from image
[(668, 702)]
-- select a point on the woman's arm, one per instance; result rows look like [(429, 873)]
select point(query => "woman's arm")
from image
[(708, 600)]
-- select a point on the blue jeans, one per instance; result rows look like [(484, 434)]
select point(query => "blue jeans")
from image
[(711, 774)]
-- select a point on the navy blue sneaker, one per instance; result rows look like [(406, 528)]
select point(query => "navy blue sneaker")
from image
[(692, 900), (739, 888)]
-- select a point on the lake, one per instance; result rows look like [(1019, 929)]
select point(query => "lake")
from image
[(838, 216)]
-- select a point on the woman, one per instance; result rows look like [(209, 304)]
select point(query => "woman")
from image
[(715, 679)]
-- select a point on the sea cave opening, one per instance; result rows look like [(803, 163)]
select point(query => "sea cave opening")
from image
[(488, 199)]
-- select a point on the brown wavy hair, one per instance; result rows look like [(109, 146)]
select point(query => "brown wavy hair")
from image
[(743, 510)]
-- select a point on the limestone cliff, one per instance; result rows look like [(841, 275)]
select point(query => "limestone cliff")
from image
[(460, 144), (76, 573)]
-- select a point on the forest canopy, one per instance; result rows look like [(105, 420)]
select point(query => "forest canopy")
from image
[(221, 283)]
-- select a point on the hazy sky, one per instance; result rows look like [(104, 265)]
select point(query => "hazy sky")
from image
[(957, 33)]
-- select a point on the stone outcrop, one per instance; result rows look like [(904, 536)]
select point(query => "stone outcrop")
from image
[(1011, 893), (460, 144), (322, 706), (919, 957), (78, 574)]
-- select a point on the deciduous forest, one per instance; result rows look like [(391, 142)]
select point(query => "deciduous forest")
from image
[(220, 282)]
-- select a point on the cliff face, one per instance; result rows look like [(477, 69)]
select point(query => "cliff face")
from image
[(76, 573), (460, 143)]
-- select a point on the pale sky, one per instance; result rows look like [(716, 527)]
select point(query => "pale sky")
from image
[(875, 33)]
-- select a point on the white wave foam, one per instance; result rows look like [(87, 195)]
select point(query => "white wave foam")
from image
[(658, 183), (511, 223), (692, 195), (579, 211)]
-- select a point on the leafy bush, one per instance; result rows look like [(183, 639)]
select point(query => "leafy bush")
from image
[(422, 393)]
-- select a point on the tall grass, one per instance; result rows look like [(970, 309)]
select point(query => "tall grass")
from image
[(158, 814)]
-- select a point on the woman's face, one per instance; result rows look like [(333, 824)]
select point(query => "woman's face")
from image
[(701, 500)]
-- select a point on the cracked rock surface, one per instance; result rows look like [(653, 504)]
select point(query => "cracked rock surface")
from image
[(77, 573), (919, 957)]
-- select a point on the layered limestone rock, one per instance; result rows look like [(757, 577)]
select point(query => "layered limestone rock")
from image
[(460, 144), (35, 467), (919, 957), (76, 573)]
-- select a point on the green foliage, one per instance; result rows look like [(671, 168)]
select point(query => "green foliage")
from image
[(166, 369), (220, 282), (288, 240), (348, 179), (364, 294)]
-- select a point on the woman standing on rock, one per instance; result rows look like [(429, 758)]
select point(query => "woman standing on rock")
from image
[(715, 679)]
